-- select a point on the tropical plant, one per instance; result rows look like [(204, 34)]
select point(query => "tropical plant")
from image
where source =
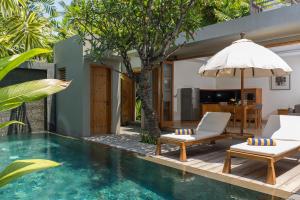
[(20, 168), (15, 95), (214, 11), (65, 28), (26, 24), (147, 138), (138, 109), (150, 28)]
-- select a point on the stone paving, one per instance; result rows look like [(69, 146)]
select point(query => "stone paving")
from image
[(129, 139)]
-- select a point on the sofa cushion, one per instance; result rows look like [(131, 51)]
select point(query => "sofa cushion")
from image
[(280, 148)]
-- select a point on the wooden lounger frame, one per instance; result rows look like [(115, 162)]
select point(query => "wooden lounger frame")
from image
[(271, 160), (184, 144)]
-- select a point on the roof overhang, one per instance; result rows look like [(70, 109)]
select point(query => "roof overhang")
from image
[(269, 28)]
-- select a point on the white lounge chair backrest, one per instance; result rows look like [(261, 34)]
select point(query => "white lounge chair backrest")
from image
[(214, 122), (282, 127)]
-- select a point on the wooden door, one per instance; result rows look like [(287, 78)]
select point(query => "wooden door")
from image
[(100, 100), (156, 87), (127, 100)]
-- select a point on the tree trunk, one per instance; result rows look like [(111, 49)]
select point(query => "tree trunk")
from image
[(144, 91)]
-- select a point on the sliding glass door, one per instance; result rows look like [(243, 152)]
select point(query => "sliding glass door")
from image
[(167, 91)]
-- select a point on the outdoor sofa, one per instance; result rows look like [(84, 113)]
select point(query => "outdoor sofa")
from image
[(211, 128), (285, 130)]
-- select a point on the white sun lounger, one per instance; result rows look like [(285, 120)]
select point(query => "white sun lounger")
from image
[(285, 130), (211, 128)]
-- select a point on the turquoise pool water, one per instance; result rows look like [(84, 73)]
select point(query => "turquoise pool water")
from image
[(93, 172)]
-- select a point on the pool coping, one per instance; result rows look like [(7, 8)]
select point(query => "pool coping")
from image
[(226, 178)]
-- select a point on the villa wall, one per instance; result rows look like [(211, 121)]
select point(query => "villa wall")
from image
[(73, 104), (68, 54), (186, 76)]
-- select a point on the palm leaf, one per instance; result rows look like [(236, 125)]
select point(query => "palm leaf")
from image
[(29, 30), (5, 124), (14, 95), (9, 7), (11, 62), (9, 106), (19, 168)]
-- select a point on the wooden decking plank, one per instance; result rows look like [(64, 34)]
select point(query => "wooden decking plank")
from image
[(287, 176), (213, 163), (245, 167), (208, 161), (228, 178), (293, 184), (237, 162), (205, 158)]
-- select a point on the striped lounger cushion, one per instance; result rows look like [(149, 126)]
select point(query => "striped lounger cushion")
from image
[(261, 142), (184, 132)]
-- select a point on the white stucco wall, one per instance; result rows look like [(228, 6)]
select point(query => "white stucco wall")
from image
[(185, 75)]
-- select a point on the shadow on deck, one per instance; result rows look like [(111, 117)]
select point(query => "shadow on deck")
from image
[(207, 160)]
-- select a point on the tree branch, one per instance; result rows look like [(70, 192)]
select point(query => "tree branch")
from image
[(171, 36)]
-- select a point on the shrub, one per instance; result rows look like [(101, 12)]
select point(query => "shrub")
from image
[(147, 138)]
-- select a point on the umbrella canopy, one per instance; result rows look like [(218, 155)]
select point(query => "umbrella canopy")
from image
[(245, 59), (254, 59)]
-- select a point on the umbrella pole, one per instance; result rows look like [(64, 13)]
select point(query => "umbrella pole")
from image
[(242, 101)]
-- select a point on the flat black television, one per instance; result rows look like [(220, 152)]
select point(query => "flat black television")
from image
[(207, 96), (217, 96)]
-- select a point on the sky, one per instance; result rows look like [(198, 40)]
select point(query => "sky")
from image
[(58, 6)]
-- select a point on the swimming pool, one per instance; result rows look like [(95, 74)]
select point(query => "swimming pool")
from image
[(93, 171)]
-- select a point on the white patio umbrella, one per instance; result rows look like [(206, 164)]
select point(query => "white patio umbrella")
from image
[(244, 59)]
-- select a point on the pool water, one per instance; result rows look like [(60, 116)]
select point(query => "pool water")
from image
[(93, 172)]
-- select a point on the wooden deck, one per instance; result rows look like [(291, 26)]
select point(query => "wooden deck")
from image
[(207, 160)]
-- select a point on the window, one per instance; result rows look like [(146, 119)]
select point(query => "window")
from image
[(62, 74)]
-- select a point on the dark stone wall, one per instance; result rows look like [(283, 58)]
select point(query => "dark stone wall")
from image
[(36, 115)]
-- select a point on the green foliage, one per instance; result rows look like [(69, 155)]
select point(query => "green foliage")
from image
[(15, 95), (147, 138), (138, 109), (146, 26), (19, 168), (27, 31), (23, 26), (27, 24), (128, 25), (214, 11), (5, 124), (8, 7), (65, 28), (11, 62)]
